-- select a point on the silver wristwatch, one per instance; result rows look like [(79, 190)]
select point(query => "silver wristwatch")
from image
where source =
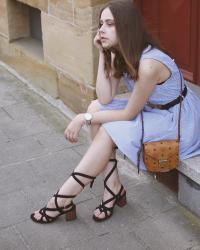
[(88, 118)]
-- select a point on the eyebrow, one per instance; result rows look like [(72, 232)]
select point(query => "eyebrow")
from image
[(107, 20)]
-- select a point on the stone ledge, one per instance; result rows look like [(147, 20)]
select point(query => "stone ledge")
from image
[(191, 168), (189, 184)]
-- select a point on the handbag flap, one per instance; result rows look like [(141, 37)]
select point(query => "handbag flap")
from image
[(161, 150)]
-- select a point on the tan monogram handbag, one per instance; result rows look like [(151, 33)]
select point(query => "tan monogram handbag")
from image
[(162, 156)]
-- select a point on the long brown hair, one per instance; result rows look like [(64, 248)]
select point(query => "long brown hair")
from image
[(133, 38)]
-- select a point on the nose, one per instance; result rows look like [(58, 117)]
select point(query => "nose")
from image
[(102, 29)]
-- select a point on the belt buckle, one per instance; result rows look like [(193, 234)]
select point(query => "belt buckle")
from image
[(154, 106), (150, 105)]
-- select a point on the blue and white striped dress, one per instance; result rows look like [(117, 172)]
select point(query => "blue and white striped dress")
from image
[(158, 124)]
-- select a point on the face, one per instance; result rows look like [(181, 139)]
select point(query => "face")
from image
[(107, 30)]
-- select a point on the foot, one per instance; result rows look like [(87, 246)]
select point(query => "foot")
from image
[(57, 205), (61, 204), (50, 210), (106, 196)]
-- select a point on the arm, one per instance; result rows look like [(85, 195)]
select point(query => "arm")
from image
[(149, 75), (150, 72), (106, 88)]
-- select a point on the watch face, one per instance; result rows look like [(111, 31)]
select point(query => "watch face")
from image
[(88, 116)]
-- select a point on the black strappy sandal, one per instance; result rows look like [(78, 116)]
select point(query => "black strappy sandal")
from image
[(120, 199), (69, 210)]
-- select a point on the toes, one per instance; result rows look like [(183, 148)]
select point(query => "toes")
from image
[(37, 215), (100, 215), (97, 212)]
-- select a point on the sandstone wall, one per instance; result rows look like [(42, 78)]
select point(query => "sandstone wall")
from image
[(68, 29), (39, 4), (3, 19)]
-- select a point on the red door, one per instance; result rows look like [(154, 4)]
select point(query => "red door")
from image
[(177, 25)]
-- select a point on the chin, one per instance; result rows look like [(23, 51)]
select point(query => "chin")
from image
[(107, 47)]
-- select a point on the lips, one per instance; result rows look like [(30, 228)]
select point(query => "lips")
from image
[(103, 39)]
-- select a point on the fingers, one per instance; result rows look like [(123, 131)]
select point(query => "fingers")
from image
[(72, 131), (97, 37), (71, 136)]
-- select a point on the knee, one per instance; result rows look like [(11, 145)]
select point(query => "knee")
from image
[(103, 135), (94, 106)]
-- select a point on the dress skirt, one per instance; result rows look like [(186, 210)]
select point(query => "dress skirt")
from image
[(158, 125)]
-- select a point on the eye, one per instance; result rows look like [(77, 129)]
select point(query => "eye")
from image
[(110, 23)]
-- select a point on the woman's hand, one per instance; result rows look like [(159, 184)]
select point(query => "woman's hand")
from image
[(97, 42), (72, 131)]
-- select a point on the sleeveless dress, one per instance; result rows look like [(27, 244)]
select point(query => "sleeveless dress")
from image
[(158, 124)]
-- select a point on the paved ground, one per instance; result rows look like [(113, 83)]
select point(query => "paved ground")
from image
[(35, 159)]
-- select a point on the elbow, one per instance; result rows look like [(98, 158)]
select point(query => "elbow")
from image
[(128, 116), (104, 101)]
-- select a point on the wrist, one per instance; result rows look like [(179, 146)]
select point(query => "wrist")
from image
[(81, 119), (101, 53), (88, 118)]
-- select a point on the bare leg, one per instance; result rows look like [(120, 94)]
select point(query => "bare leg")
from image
[(90, 164), (114, 181)]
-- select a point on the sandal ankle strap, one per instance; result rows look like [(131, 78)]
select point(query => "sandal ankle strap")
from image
[(120, 191), (59, 208), (108, 176), (74, 174)]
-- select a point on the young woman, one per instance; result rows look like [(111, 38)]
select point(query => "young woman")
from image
[(126, 50)]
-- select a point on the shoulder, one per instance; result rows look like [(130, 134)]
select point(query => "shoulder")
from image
[(150, 68)]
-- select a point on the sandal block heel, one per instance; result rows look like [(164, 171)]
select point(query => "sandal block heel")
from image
[(121, 201), (71, 214)]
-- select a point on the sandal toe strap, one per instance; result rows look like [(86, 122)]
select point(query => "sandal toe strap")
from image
[(103, 209), (45, 216)]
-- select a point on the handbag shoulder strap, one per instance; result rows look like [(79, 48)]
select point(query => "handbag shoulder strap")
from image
[(180, 105), (179, 124), (141, 143)]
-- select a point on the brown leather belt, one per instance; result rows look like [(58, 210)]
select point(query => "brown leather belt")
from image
[(169, 104)]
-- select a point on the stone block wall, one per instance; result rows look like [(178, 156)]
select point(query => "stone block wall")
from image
[(18, 23), (3, 19), (39, 4), (68, 29)]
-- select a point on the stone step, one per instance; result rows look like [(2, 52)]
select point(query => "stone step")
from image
[(189, 184), (189, 177)]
